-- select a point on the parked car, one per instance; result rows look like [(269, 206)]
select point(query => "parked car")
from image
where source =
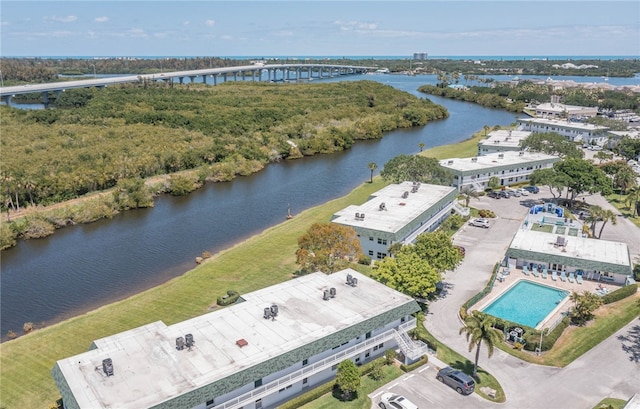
[(494, 194), (515, 193), (458, 380), (505, 194), (391, 401), (524, 192), (532, 189), (480, 223)]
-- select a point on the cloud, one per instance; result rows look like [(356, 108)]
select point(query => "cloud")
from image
[(355, 25), (57, 19), (210, 23), (283, 33), (186, 23), (102, 19), (136, 33), (226, 37)]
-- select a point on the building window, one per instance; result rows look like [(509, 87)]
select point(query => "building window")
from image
[(305, 362), (257, 383), (305, 380), (259, 404), (382, 241), (357, 359), (367, 355), (370, 238), (368, 335), (210, 403), (334, 367), (371, 252)]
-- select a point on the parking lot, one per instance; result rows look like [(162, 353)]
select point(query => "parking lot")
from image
[(525, 385)]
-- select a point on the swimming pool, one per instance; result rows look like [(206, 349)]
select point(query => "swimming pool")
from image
[(526, 303)]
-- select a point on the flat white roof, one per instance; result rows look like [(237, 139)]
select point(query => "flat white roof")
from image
[(504, 137), (555, 107), (148, 369), (562, 123), (399, 211), (492, 160), (602, 251)]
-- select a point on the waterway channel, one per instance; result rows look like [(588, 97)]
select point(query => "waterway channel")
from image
[(83, 267)]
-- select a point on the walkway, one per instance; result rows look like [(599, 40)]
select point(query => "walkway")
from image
[(607, 370)]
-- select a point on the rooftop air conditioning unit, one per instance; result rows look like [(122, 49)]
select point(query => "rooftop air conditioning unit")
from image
[(332, 292), (267, 313), (274, 310), (501, 156), (474, 159), (383, 206), (521, 153), (179, 343), (188, 340), (325, 295), (450, 162), (107, 366), (405, 194)]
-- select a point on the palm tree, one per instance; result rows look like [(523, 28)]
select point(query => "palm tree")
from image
[(372, 167), (421, 146), (468, 192), (607, 216), (479, 328), (486, 129), (632, 201)]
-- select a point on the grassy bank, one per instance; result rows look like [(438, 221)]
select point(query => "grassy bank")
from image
[(263, 260)]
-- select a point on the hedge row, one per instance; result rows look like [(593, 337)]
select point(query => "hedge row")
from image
[(533, 338), (620, 293), (418, 363), (309, 396), (230, 298)]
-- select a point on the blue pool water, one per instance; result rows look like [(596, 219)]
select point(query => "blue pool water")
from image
[(526, 303)]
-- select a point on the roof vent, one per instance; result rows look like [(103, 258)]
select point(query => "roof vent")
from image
[(179, 343), (521, 153), (474, 159), (271, 312), (188, 340), (351, 280), (359, 216), (501, 156), (383, 206), (242, 342), (405, 195), (107, 366), (332, 292)]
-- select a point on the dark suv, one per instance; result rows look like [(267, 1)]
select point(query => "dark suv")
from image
[(458, 380), (493, 194), (532, 189)]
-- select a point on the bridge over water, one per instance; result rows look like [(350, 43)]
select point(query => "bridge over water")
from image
[(289, 72)]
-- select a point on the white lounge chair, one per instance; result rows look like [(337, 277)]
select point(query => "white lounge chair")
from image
[(579, 278), (554, 275), (544, 273), (535, 272), (563, 276), (572, 277), (525, 270)]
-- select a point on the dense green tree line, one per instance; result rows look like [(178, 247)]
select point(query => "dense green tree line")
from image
[(514, 97), (138, 131)]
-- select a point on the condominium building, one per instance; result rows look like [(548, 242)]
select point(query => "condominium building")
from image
[(509, 167), (553, 110), (574, 131), (501, 141), (270, 346), (398, 213)]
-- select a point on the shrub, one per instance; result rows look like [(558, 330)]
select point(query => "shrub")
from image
[(229, 298), (28, 327), (418, 363), (532, 337), (620, 293), (484, 213), (36, 228), (309, 396), (390, 356), (365, 260), (7, 236), (12, 334), (376, 372)]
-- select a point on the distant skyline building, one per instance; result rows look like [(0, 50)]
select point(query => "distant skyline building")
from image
[(420, 56)]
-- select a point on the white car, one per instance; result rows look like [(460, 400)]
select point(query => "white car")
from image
[(391, 401), (480, 223), (524, 192)]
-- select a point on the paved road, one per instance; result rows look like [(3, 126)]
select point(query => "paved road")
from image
[(612, 369)]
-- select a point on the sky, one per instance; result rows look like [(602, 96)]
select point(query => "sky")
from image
[(209, 28)]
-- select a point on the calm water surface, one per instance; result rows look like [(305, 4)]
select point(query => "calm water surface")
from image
[(82, 267)]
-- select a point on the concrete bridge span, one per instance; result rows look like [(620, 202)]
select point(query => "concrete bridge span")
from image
[(289, 72)]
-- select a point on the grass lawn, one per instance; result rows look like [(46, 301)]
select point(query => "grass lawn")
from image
[(367, 385), (610, 402), (464, 149), (575, 341), (618, 201)]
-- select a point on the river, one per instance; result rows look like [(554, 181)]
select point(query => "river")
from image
[(82, 267)]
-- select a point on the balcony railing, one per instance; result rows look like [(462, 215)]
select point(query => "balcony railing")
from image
[(314, 368)]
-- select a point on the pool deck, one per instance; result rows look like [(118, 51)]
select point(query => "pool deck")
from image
[(500, 287)]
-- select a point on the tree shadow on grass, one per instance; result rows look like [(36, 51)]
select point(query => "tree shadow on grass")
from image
[(467, 367), (339, 395)]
